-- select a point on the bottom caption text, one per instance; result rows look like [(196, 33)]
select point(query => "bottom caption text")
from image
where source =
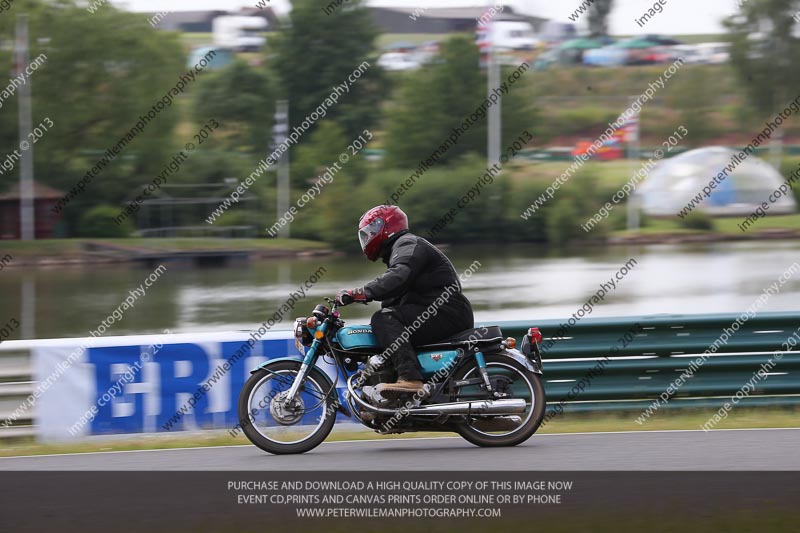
[(398, 499)]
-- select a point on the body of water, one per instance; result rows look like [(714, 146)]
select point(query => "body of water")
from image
[(512, 283)]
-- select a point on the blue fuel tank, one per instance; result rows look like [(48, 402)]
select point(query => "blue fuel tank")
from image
[(357, 338)]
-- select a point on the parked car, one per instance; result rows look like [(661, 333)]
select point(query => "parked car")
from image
[(661, 40), (425, 53), (513, 35), (688, 52), (713, 53), (658, 54), (546, 59), (553, 33), (239, 33), (222, 57), (397, 61), (608, 56)]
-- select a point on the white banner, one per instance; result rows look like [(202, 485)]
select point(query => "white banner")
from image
[(147, 384)]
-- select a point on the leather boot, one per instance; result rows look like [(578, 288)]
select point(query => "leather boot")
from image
[(402, 385)]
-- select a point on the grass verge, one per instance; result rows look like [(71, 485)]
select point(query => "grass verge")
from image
[(570, 423), (722, 226), (74, 247)]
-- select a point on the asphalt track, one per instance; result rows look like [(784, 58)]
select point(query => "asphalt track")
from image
[(719, 450)]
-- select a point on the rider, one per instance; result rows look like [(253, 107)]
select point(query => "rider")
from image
[(418, 274)]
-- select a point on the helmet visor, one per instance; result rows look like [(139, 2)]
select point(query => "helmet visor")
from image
[(369, 232)]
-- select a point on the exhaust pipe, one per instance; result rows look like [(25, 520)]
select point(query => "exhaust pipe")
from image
[(497, 423), (479, 407), (508, 406)]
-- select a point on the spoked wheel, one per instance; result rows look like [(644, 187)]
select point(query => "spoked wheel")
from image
[(277, 425), (508, 376)]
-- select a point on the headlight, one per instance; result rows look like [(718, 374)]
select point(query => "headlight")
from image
[(302, 336)]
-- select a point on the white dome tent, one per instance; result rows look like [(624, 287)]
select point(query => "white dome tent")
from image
[(676, 181)]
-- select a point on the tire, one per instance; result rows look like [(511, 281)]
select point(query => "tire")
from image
[(535, 415), (271, 446)]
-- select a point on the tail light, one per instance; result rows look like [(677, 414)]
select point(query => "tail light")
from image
[(530, 346)]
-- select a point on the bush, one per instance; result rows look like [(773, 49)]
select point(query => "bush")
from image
[(697, 220), (100, 222), (437, 211), (562, 221), (232, 218), (618, 219), (584, 120), (789, 166), (531, 229)]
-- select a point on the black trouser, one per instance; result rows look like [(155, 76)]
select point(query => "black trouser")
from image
[(389, 323)]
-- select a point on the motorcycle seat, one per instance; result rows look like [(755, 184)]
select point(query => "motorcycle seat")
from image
[(481, 336)]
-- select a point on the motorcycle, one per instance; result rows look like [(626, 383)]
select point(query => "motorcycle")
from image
[(477, 384)]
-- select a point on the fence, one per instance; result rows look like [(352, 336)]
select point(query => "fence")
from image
[(662, 350)]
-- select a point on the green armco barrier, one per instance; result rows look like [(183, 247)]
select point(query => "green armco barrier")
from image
[(666, 348)]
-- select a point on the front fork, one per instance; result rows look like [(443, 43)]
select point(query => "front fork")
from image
[(308, 363), (298, 382)]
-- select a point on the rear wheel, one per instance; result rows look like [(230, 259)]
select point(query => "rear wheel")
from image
[(281, 427), (509, 376)]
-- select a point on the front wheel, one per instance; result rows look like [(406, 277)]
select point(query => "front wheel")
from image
[(511, 377), (283, 427)]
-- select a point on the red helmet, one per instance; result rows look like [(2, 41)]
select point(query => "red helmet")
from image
[(377, 226)]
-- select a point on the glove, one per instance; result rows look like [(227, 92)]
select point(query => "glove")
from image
[(348, 296)]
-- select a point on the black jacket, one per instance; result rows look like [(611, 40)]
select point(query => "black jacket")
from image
[(418, 274)]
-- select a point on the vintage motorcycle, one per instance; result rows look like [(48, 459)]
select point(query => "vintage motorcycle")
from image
[(477, 384)]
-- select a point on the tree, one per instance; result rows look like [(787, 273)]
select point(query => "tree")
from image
[(316, 52), (442, 96), (764, 42), (691, 96), (435, 100), (241, 99), (103, 71), (333, 214), (598, 17), (322, 151)]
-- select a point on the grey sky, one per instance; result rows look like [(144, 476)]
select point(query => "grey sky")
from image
[(677, 17)]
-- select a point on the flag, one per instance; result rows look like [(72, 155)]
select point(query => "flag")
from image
[(483, 36), (630, 128), (20, 57)]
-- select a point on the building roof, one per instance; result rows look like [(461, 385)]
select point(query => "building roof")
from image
[(174, 20), (188, 17), (456, 13), (40, 192)]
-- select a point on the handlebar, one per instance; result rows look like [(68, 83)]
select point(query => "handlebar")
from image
[(335, 306)]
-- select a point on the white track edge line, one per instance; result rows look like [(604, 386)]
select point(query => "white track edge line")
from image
[(390, 440)]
